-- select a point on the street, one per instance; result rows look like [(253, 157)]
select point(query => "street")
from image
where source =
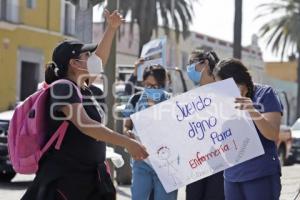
[(290, 186)]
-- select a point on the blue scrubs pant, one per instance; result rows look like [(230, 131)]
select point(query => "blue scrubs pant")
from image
[(145, 181), (209, 188), (264, 188)]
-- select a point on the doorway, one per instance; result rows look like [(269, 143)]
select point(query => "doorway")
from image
[(29, 78)]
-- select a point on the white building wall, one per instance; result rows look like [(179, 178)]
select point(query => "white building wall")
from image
[(177, 53)]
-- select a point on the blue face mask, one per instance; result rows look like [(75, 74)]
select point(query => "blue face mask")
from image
[(193, 74), (154, 94)]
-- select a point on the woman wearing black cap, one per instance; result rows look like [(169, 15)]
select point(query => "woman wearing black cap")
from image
[(77, 171)]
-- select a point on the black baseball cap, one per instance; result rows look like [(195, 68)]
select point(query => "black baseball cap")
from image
[(69, 49)]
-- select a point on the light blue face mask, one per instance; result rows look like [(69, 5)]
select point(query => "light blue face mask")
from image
[(154, 94), (193, 74)]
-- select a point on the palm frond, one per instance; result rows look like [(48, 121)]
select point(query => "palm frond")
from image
[(177, 27), (146, 14), (164, 15), (188, 10), (184, 21), (282, 32), (285, 41), (266, 9)]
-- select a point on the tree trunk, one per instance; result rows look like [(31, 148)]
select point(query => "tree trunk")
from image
[(145, 22), (141, 40), (237, 38), (145, 36), (298, 83)]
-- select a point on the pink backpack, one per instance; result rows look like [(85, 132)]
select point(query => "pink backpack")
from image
[(27, 131)]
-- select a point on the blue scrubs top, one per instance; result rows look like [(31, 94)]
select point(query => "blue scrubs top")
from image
[(267, 164)]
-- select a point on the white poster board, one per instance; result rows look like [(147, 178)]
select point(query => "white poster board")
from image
[(197, 134), (154, 53)]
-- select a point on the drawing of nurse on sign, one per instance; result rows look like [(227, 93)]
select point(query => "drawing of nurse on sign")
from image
[(164, 154)]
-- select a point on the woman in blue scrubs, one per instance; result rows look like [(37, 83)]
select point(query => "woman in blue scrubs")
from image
[(258, 178)]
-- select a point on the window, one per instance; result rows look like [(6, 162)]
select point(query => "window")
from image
[(3, 5), (9, 11), (69, 19), (31, 4)]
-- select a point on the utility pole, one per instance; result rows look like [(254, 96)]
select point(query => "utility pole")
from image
[(237, 38), (110, 72), (173, 42)]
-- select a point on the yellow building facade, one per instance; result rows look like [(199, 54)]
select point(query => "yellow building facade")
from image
[(286, 71), (29, 30)]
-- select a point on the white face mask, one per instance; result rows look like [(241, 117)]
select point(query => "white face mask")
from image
[(94, 64)]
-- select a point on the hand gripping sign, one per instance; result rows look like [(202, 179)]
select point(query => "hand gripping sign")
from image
[(197, 134)]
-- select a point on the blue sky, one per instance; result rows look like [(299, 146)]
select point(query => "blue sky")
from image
[(215, 18)]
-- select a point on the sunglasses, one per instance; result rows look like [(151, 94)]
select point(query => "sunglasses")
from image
[(197, 61)]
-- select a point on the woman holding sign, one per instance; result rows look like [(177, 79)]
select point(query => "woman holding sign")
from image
[(144, 178), (258, 178), (200, 71)]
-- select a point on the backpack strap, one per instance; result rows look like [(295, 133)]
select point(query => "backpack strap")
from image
[(59, 133)]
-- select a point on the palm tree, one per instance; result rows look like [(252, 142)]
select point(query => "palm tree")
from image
[(145, 13), (283, 30), (237, 38)]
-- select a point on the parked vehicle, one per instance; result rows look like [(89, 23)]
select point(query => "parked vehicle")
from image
[(6, 171), (284, 145), (296, 140)]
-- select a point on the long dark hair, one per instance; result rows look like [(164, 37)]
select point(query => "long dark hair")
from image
[(158, 72), (54, 72), (234, 68), (211, 56)]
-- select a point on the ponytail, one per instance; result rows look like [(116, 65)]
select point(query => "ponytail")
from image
[(213, 59), (54, 73)]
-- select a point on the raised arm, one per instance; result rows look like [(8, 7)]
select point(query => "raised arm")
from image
[(114, 20)]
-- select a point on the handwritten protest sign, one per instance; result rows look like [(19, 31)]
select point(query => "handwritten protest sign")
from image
[(197, 134), (153, 52)]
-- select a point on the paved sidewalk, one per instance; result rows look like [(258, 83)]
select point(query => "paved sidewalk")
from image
[(290, 181), (290, 185)]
